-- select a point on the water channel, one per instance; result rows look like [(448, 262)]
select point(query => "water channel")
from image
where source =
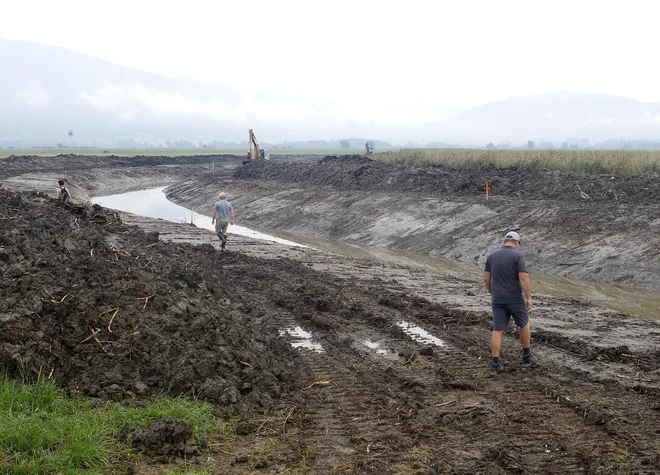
[(153, 203)]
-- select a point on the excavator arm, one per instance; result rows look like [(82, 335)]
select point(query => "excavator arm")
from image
[(253, 141)]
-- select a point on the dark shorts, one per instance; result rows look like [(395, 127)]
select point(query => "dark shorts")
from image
[(502, 312)]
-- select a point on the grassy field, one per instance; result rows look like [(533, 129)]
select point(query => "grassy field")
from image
[(615, 162), (42, 431), (169, 152)]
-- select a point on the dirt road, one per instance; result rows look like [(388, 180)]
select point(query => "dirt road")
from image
[(392, 378)]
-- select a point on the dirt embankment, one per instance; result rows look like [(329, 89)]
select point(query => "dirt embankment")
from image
[(171, 318), (583, 227), (90, 176)]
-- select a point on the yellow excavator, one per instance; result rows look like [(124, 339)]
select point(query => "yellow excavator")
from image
[(368, 150), (257, 153)]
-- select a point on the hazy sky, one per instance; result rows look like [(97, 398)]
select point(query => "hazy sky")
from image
[(380, 60)]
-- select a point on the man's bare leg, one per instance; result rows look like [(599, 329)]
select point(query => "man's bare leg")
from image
[(496, 343), (525, 337)]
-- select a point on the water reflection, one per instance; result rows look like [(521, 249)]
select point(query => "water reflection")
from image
[(153, 203), (419, 334)]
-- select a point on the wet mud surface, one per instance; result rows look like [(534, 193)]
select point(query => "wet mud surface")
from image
[(594, 228), (374, 395)]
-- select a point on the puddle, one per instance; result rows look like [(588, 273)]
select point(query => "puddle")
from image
[(153, 203), (375, 346), (302, 339), (419, 334)]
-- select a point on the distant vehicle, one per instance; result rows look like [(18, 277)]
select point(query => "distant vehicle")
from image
[(368, 150), (257, 153)]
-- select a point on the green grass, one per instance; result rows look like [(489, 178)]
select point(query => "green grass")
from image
[(614, 162), (42, 431)]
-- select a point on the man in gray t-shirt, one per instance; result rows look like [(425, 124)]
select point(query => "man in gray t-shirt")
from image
[(506, 279), (223, 216)]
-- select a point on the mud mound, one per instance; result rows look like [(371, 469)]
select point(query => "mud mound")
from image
[(14, 165), (162, 437), (360, 173), (111, 312)]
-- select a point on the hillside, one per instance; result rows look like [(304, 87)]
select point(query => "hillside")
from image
[(556, 116)]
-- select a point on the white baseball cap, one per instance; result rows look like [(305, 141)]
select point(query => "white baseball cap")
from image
[(512, 236)]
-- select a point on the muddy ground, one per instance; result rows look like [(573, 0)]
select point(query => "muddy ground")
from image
[(373, 399), (595, 228)]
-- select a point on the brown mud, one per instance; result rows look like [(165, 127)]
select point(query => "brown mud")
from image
[(373, 400)]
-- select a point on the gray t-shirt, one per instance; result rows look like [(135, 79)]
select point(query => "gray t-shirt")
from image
[(504, 266), (223, 208)]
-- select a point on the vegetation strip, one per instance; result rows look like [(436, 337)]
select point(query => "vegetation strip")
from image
[(43, 431)]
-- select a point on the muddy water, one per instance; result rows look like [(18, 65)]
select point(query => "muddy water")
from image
[(153, 203)]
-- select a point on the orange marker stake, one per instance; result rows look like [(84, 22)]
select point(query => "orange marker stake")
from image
[(486, 191)]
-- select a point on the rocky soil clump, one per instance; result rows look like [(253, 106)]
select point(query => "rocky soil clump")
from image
[(114, 313)]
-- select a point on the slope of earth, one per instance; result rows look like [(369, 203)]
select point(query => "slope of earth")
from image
[(582, 227), (391, 376), (110, 312)]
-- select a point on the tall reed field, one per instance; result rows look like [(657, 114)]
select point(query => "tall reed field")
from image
[(611, 162)]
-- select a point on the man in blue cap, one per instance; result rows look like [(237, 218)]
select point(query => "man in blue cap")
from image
[(506, 279)]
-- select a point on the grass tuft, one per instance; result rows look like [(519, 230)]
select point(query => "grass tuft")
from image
[(43, 431)]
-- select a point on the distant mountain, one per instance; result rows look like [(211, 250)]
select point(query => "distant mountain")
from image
[(46, 92), (555, 116)]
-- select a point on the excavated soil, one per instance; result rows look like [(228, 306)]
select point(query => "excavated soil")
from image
[(171, 319), (595, 228), (371, 396)]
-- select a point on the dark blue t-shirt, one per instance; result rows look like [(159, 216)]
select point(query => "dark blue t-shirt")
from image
[(504, 266)]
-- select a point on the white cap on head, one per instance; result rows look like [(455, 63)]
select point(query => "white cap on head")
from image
[(512, 236)]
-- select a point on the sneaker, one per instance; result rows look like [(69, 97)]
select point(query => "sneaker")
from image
[(529, 360), (495, 370)]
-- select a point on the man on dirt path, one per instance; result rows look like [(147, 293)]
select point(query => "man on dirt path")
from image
[(222, 212), (506, 278), (62, 193)]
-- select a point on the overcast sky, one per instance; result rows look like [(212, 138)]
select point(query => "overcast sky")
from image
[(379, 60)]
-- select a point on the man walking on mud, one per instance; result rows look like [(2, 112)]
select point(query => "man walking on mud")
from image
[(506, 278), (222, 212)]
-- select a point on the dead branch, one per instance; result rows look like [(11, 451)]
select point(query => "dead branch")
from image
[(321, 383), (146, 299), (112, 319), (246, 364), (100, 344), (93, 335), (120, 251), (443, 404), (262, 425), (107, 311), (287, 418)]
